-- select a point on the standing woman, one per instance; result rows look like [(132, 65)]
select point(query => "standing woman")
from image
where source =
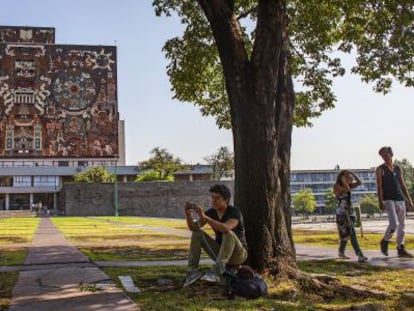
[(345, 213)]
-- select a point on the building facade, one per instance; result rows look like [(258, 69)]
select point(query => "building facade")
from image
[(58, 114)]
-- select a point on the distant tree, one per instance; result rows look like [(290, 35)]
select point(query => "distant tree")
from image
[(369, 204), (94, 175), (304, 202), (152, 176), (408, 172), (222, 162), (162, 163), (329, 199)]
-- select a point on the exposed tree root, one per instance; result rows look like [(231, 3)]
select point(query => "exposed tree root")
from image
[(324, 286)]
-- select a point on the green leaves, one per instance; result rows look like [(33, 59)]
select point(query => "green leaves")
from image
[(222, 162), (160, 165), (94, 175), (380, 33), (304, 201)]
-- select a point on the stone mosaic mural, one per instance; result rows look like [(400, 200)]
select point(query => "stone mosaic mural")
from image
[(57, 100)]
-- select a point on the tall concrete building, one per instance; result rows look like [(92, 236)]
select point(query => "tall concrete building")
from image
[(58, 114)]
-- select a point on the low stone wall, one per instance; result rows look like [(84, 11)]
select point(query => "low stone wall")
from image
[(153, 199)]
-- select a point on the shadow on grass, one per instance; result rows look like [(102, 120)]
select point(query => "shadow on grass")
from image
[(135, 253)]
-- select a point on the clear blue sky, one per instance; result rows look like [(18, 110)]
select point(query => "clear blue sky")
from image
[(349, 135)]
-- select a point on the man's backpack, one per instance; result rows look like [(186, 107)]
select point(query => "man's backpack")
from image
[(246, 283)]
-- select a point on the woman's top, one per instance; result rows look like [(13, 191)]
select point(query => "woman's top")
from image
[(391, 188), (345, 205)]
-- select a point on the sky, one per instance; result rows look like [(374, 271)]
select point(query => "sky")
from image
[(349, 135)]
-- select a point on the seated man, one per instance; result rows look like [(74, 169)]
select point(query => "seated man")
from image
[(229, 246)]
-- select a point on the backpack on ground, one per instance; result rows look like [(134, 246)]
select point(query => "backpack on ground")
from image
[(245, 283)]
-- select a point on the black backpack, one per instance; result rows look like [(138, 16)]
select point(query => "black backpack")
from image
[(245, 283)]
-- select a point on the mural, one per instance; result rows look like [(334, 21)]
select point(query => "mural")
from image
[(58, 100), (27, 34)]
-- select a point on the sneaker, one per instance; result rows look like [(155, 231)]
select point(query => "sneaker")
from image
[(343, 256), (210, 276), (362, 258), (384, 247), (403, 253), (192, 276)]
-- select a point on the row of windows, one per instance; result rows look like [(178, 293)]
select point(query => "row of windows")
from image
[(72, 163), (327, 176), (30, 181)]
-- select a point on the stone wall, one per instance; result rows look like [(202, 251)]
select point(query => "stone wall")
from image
[(153, 199)]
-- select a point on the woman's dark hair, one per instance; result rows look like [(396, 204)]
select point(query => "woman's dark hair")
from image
[(221, 190), (340, 175), (385, 150)]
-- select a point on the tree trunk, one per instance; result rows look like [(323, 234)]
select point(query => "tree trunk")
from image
[(261, 97)]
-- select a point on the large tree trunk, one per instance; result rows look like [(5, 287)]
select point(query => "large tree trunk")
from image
[(261, 100)]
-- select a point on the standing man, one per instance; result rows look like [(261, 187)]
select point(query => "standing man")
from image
[(229, 246), (391, 193)]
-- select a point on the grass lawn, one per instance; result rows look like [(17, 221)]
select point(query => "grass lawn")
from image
[(130, 238), (330, 239), (17, 230), (12, 256), (7, 281), (125, 238)]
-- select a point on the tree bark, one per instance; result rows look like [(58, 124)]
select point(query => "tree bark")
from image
[(261, 98)]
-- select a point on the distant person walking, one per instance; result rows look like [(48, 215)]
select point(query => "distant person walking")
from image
[(391, 193), (345, 213)]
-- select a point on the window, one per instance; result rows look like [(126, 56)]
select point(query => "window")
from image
[(46, 181), (22, 181)]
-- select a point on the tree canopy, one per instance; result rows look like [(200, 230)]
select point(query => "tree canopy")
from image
[(222, 162), (379, 34), (304, 202), (94, 175), (408, 172), (160, 165), (369, 204)]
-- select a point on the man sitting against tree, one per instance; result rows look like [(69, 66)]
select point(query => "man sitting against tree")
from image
[(229, 246)]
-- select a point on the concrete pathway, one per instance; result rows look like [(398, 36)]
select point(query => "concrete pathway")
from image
[(55, 274)]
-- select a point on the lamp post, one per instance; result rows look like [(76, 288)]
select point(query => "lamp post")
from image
[(116, 190)]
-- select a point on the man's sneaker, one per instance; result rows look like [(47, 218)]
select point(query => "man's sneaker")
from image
[(403, 253), (384, 247), (362, 258), (211, 276), (343, 256), (192, 276)]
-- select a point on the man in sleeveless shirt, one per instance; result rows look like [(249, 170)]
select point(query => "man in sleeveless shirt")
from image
[(229, 246), (391, 194)]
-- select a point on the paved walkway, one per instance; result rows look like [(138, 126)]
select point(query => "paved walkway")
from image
[(52, 276)]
